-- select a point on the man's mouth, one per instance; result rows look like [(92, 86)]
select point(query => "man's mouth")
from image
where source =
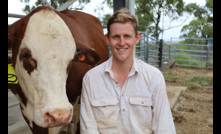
[(121, 49)]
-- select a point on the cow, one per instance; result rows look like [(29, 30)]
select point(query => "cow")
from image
[(51, 52)]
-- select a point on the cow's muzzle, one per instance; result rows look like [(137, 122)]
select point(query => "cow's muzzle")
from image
[(57, 118)]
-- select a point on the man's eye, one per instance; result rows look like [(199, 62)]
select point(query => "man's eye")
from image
[(115, 37), (127, 36)]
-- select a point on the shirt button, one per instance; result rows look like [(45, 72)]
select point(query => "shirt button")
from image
[(122, 95), (142, 102), (123, 109)]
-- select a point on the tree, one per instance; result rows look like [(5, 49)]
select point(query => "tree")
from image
[(55, 4), (79, 5), (202, 25), (150, 12), (105, 19)]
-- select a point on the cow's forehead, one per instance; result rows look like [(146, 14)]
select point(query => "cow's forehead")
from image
[(47, 34)]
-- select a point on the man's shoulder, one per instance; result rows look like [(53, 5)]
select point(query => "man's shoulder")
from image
[(97, 69), (145, 67)]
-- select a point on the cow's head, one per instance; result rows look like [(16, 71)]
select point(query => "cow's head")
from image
[(42, 57)]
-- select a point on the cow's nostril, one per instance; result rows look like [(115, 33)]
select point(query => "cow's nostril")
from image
[(57, 117)]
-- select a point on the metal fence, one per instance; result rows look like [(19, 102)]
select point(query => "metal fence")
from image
[(149, 51), (184, 52), (189, 52), (140, 49)]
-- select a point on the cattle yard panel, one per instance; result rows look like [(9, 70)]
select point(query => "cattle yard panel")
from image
[(189, 52), (140, 48), (149, 51), (186, 52)]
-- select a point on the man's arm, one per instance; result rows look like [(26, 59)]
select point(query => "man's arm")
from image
[(87, 121), (162, 116)]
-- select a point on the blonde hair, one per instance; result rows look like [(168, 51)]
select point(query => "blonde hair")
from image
[(123, 15)]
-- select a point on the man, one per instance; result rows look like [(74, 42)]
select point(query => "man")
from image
[(124, 95)]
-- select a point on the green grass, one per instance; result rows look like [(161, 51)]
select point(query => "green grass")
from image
[(202, 80), (169, 75), (192, 82), (179, 59), (198, 81)]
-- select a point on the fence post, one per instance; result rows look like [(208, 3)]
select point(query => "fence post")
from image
[(170, 53), (207, 55), (118, 4), (147, 46), (160, 53)]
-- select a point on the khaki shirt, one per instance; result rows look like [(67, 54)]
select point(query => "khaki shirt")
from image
[(141, 106)]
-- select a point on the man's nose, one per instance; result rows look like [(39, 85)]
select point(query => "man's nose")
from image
[(122, 41)]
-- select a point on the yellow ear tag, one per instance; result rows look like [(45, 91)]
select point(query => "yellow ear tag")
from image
[(81, 57), (12, 79)]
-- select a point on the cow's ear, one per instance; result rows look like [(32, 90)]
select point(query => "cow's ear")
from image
[(88, 56), (10, 38)]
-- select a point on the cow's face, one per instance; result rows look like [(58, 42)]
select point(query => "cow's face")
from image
[(44, 57)]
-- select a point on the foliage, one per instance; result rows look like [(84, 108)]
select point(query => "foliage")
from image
[(202, 26), (57, 3), (53, 3), (105, 19), (149, 13), (27, 8)]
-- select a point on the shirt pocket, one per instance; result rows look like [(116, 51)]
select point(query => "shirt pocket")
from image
[(141, 110), (141, 101), (105, 112)]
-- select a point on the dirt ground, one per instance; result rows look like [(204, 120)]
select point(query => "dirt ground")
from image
[(193, 112)]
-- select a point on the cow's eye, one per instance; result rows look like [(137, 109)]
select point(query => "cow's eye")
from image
[(81, 57), (29, 63), (24, 54)]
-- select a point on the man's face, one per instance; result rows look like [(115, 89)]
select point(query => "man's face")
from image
[(122, 39)]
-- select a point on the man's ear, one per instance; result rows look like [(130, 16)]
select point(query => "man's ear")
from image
[(107, 38), (88, 56), (138, 36)]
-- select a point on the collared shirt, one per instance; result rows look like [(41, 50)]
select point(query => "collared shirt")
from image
[(141, 106)]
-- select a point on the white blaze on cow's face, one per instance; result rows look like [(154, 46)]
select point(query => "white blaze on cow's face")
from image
[(45, 53)]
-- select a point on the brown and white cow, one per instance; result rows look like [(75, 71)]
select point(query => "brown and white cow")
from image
[(51, 52)]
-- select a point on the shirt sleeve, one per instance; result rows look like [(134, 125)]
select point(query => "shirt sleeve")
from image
[(162, 116), (87, 121)]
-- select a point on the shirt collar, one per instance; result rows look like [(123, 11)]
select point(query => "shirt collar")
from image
[(109, 65), (134, 68)]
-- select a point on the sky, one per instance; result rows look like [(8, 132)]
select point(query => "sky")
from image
[(15, 6)]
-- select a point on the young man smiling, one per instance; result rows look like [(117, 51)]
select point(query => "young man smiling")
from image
[(124, 95)]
